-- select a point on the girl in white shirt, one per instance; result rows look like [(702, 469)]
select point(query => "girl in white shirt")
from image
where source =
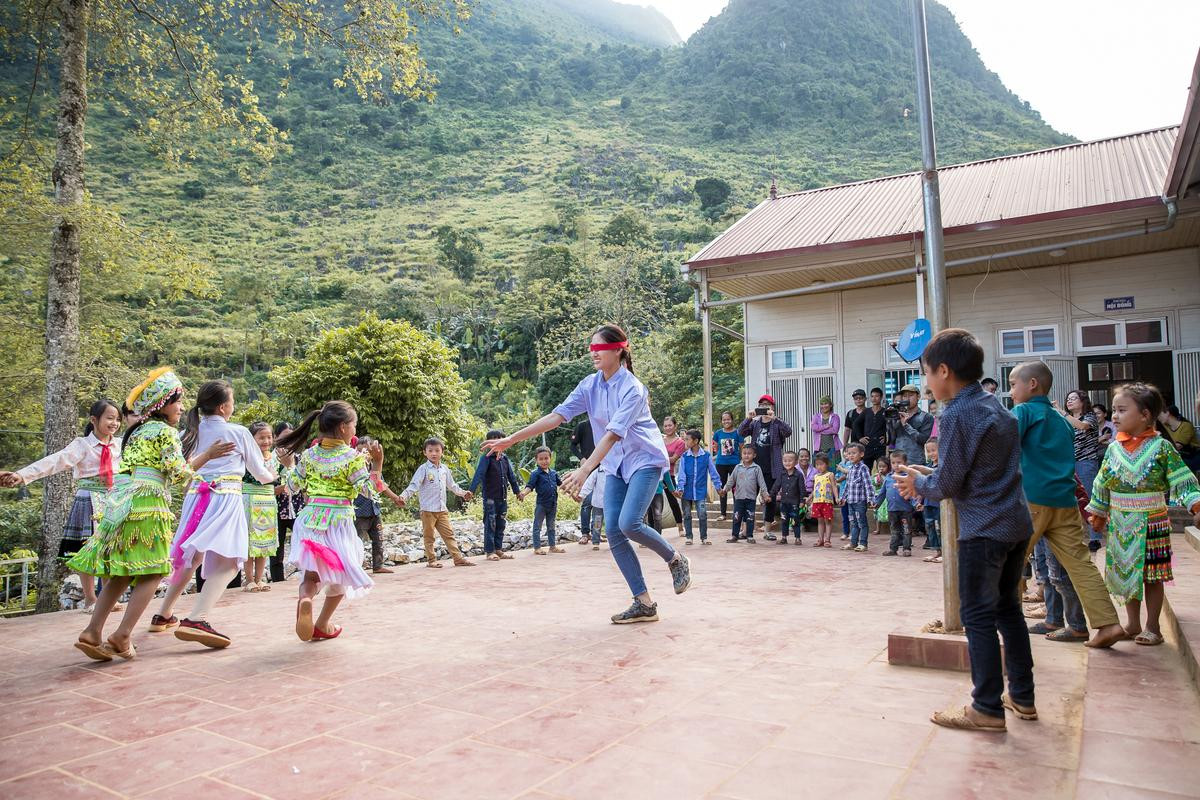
[(213, 527), (91, 459)]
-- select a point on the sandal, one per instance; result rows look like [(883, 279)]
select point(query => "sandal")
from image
[(504, 556), (96, 652), (304, 619), (127, 654), (433, 564), (959, 720), (928, 559), (248, 586), (1068, 635), (320, 635), (264, 587), (1043, 628), (1148, 638), (936, 560), (493, 557)]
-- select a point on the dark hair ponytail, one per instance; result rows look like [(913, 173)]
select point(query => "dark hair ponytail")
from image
[(212, 395), (96, 411), (327, 419), (613, 334)]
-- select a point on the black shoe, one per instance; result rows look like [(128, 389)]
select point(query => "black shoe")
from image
[(681, 573), (1094, 545), (888, 553), (638, 612), (770, 537), (782, 540), (750, 540), (732, 540), (797, 540), (200, 631)]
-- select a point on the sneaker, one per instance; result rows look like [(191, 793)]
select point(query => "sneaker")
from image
[(847, 546), (797, 540), (888, 553), (845, 538), (681, 573), (705, 541), (732, 540), (750, 540), (199, 630), (159, 623), (861, 549), (1095, 545), (770, 537), (783, 540), (689, 541), (908, 553), (638, 612)]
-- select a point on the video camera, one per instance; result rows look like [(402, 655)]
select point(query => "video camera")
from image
[(894, 410)]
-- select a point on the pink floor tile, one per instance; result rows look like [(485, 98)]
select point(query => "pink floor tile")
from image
[(45, 747), (622, 771), (1086, 789), (470, 771), (939, 774), (707, 737), (1161, 765), (155, 718), (381, 694), (875, 739), (415, 730), (313, 768), (776, 774), (154, 763), (149, 687), (557, 734), (52, 783), (1040, 743), (262, 727), (63, 707), (208, 788), (498, 699)]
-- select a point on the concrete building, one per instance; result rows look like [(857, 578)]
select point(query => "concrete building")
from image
[(1087, 256)]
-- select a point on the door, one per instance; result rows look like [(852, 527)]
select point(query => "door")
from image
[(789, 407), (874, 380), (1099, 375), (1187, 380)]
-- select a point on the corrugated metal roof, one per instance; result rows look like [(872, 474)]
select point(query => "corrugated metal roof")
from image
[(1062, 181)]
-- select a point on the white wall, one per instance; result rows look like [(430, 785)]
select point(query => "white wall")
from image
[(856, 321)]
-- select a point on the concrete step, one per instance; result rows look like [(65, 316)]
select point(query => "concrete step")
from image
[(1181, 518)]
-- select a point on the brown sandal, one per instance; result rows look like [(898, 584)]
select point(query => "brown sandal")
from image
[(433, 564), (959, 720), (304, 619), (96, 652)]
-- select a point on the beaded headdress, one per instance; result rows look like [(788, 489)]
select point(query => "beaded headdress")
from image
[(159, 388)]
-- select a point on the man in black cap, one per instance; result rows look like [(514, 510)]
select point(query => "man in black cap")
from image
[(854, 414)]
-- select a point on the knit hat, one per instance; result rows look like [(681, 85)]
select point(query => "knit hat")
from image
[(160, 388)]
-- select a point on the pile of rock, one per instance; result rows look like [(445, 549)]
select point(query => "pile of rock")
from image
[(404, 543), (70, 594)]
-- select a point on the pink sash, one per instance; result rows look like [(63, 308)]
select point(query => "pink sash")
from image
[(203, 494), (325, 554)]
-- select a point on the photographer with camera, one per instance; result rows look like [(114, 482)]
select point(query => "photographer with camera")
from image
[(909, 428), (767, 435)]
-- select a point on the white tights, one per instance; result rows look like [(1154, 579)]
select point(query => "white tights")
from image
[(215, 580)]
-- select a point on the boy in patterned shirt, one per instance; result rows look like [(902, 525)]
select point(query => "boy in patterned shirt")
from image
[(855, 494)]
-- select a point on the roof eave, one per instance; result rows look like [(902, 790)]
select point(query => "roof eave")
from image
[(1184, 169)]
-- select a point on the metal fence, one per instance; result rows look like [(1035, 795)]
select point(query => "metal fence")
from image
[(17, 574)]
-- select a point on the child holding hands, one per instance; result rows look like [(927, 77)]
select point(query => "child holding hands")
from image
[(543, 481), (429, 483)]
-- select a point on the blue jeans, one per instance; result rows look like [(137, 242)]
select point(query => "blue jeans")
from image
[(1070, 610), (597, 524), (701, 507), (989, 580), (743, 512), (790, 514), (542, 514), (495, 519), (625, 506), (585, 515), (1041, 568), (857, 512), (933, 529), (1086, 471), (846, 521)]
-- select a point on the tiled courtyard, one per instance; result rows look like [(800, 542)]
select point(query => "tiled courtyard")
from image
[(767, 680)]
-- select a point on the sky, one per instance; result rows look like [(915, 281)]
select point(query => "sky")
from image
[(1092, 68)]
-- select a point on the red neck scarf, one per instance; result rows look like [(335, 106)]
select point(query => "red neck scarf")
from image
[(106, 464)]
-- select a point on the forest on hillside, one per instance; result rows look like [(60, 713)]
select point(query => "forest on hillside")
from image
[(571, 159)]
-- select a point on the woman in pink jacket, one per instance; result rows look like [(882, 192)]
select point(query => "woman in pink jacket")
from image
[(825, 427)]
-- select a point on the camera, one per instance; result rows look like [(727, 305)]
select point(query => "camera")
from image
[(894, 410), (761, 411)]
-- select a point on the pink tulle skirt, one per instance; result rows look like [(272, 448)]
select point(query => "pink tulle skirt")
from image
[(336, 555)]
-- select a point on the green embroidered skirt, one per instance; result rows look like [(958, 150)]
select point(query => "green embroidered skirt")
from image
[(133, 537)]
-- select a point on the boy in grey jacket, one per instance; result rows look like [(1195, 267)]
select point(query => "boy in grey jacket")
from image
[(747, 484)]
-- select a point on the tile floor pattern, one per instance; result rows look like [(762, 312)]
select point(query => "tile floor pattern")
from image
[(767, 680)]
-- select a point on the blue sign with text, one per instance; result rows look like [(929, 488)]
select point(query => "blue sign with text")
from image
[(1118, 303)]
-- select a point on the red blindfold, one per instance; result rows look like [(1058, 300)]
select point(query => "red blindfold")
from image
[(596, 348)]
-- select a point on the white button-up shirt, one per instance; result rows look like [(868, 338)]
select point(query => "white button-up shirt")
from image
[(430, 483), (81, 456), (620, 405), (246, 457)]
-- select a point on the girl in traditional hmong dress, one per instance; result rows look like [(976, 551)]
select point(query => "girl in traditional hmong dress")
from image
[(133, 537), (213, 532), (1141, 472), (261, 513), (91, 459), (325, 544)]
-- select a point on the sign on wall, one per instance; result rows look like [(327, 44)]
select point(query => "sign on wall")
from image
[(1118, 304)]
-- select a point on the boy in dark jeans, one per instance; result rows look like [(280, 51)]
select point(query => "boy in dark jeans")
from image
[(980, 469), (495, 473), (747, 484), (790, 492), (900, 510), (544, 482)]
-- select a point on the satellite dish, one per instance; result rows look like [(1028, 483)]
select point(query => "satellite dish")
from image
[(914, 339)]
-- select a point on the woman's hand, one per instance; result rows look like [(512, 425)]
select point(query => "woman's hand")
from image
[(495, 447), (10, 480), (219, 449), (573, 483)]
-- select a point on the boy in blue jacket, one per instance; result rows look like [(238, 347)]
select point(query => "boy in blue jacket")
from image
[(544, 482), (696, 467), (900, 509)]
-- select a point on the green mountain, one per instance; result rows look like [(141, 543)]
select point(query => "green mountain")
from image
[(549, 186)]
